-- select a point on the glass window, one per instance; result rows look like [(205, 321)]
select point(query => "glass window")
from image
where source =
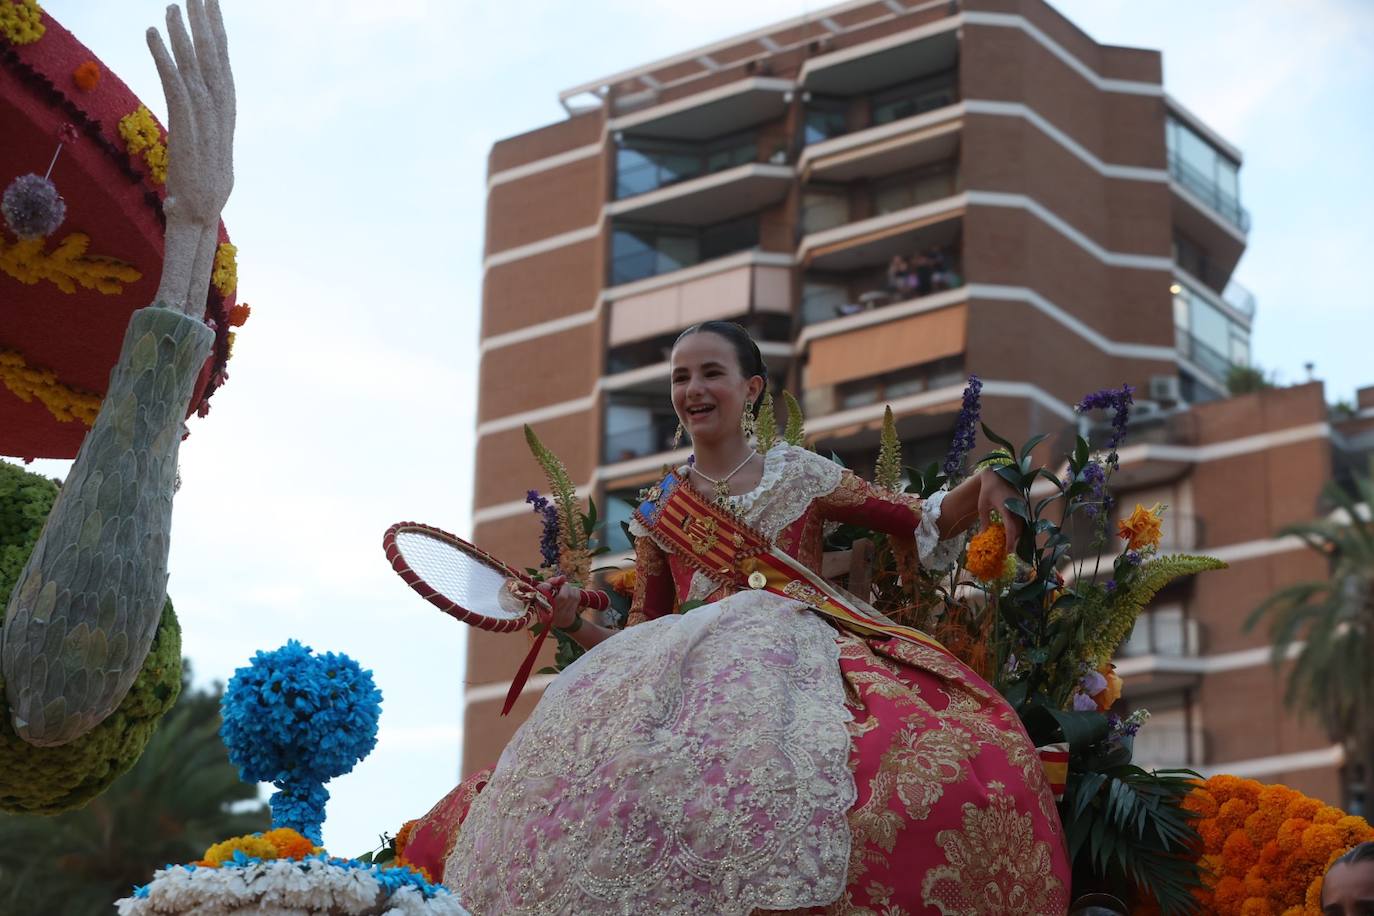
[(825, 118), (822, 301), (1210, 326), (824, 210)]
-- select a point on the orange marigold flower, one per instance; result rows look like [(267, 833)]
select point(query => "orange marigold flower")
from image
[(1239, 854), (1233, 813), (1201, 802), (986, 551), (401, 862), (623, 581), (289, 843), (238, 314), (1141, 528), (87, 76), (404, 834)]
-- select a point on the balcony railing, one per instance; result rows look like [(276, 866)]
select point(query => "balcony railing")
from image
[(1239, 298), (641, 169), (1164, 632), (826, 119), (1210, 193), (1205, 357)]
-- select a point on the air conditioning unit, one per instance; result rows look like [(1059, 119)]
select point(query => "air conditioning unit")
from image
[(1165, 389)]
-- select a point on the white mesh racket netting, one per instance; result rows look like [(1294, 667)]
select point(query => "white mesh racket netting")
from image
[(461, 578)]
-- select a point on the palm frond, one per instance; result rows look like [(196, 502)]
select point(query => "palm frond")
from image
[(1127, 826)]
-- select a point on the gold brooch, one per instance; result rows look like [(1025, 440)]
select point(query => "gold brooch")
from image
[(757, 579)]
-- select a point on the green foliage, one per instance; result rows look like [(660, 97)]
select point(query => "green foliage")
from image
[(1332, 621), (25, 501), (1246, 380), (766, 425), (49, 780), (795, 433), (1129, 827), (888, 473), (1108, 633), (182, 796)]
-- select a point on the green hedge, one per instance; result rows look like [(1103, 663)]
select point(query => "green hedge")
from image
[(49, 780)]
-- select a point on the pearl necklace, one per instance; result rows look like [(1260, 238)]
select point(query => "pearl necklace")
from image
[(722, 486)]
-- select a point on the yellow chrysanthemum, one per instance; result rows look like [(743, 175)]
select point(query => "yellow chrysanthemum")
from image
[(225, 276), (143, 138), (21, 23), (623, 581), (252, 845)]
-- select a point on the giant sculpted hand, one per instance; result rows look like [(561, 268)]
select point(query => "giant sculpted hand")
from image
[(200, 138), (87, 604)]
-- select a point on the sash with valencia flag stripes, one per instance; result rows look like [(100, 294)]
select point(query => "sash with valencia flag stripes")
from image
[(711, 539)]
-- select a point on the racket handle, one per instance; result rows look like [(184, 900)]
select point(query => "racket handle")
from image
[(596, 600)]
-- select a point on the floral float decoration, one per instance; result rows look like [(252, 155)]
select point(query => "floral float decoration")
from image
[(295, 718)]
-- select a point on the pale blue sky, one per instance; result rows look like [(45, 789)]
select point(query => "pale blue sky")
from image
[(362, 140)]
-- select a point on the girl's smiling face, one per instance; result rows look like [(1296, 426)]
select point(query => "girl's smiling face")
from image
[(709, 387)]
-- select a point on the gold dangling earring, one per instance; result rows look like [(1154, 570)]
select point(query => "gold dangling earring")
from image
[(747, 421), (677, 436)]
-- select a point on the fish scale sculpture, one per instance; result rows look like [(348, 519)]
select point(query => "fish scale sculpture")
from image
[(87, 603)]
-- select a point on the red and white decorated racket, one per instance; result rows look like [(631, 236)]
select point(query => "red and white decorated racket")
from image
[(468, 583)]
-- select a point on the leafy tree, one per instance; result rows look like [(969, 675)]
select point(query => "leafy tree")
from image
[(1332, 622), (181, 796)]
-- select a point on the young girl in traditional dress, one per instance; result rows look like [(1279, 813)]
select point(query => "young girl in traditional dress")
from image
[(781, 747)]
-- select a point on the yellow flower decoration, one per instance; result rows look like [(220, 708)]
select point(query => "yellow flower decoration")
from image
[(21, 22), (143, 138), (986, 554), (66, 404), (66, 266), (1142, 528), (623, 581), (254, 845), (225, 276)]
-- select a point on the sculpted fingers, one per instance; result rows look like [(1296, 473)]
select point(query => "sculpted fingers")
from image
[(178, 101)]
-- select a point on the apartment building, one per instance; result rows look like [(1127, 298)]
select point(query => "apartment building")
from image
[(892, 195)]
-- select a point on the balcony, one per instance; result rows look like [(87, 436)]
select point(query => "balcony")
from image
[(729, 108), (874, 241), (713, 198), (772, 331), (905, 279), (1209, 193), (753, 286), (885, 149), (827, 118), (640, 251), (893, 60), (636, 425)]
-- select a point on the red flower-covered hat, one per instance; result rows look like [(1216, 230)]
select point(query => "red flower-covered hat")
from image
[(66, 295)]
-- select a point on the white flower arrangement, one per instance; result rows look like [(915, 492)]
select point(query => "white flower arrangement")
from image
[(284, 887)]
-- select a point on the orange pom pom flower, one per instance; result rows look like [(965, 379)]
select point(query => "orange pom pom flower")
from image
[(986, 553), (1142, 527), (87, 76)]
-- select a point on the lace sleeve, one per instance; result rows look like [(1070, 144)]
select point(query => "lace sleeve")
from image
[(653, 594), (858, 502), (936, 554)]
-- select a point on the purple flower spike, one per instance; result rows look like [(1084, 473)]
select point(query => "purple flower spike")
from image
[(548, 542), (966, 428), (1117, 400)]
